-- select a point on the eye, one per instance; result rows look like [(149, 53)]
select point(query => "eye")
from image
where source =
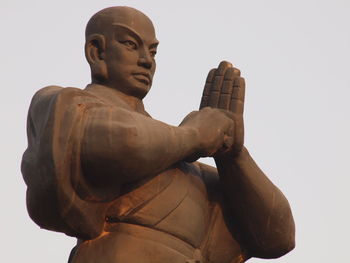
[(153, 53), (129, 43)]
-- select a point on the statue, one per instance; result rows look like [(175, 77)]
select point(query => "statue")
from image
[(129, 187)]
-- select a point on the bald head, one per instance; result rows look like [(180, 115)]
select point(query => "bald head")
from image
[(120, 48), (104, 21)]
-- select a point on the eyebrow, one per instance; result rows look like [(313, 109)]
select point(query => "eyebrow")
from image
[(135, 34), (154, 45)]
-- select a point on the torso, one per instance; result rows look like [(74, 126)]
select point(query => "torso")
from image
[(168, 219)]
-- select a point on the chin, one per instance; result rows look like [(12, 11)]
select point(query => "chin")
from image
[(139, 91)]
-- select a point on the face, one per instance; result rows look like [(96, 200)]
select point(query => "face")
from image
[(130, 57)]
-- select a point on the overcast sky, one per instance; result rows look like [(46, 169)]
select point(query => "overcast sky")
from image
[(294, 56)]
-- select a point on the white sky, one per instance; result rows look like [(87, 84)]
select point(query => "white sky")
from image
[(295, 58)]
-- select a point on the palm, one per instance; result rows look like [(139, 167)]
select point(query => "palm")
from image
[(224, 89)]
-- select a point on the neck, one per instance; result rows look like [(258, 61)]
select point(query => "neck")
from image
[(134, 103)]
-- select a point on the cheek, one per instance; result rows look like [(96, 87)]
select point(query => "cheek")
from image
[(122, 56), (128, 58), (154, 68)]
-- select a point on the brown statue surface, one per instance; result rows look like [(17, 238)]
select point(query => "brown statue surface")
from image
[(129, 187)]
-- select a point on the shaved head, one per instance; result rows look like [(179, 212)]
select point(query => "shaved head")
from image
[(120, 47), (103, 22)]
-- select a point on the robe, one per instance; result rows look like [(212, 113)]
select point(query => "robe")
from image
[(177, 201)]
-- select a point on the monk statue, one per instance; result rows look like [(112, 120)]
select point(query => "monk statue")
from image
[(99, 168)]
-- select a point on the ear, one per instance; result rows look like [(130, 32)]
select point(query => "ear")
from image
[(95, 47)]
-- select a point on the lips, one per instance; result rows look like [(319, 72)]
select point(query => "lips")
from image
[(143, 77)]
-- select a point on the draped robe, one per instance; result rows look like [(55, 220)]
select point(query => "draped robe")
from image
[(175, 214)]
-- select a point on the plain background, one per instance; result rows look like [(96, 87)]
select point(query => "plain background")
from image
[(295, 58)]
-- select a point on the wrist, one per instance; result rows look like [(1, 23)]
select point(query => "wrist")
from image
[(190, 144), (191, 139), (232, 155)]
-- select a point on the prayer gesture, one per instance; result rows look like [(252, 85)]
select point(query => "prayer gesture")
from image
[(224, 89)]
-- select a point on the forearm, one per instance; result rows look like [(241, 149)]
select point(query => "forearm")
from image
[(261, 211), (128, 146)]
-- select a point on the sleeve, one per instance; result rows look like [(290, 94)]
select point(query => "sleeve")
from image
[(51, 165)]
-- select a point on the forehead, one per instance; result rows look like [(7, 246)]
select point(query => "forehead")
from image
[(120, 30), (136, 23)]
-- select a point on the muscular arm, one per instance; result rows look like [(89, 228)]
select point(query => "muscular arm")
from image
[(123, 146), (261, 213), (260, 210), (120, 146)]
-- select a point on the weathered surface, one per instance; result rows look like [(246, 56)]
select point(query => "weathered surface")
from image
[(99, 168)]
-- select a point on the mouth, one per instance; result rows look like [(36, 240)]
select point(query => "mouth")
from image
[(143, 77)]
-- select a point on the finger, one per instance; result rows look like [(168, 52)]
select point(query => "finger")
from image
[(239, 134), (222, 68), (237, 97), (228, 141), (226, 90), (209, 81), (229, 114), (217, 83), (206, 91), (237, 72)]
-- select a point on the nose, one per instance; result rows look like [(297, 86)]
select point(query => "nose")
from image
[(145, 60)]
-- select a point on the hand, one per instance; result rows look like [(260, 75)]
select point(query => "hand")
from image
[(224, 89), (213, 127)]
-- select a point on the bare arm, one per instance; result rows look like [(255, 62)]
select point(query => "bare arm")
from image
[(261, 212)]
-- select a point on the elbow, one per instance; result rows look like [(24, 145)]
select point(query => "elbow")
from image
[(274, 248), (286, 239), (288, 246), (289, 240), (281, 247), (279, 240), (279, 232)]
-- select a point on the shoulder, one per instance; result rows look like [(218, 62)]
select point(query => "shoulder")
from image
[(51, 91), (50, 94), (51, 98), (53, 105)]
